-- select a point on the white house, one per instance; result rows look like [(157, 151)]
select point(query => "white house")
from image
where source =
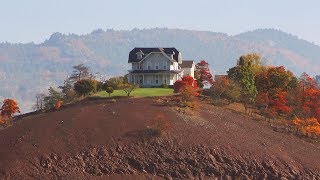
[(157, 66)]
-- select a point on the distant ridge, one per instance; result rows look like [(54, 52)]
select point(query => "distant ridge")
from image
[(106, 51)]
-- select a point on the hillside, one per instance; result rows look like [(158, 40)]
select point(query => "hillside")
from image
[(26, 69), (98, 138)]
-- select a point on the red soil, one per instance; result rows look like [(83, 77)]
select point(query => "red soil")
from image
[(100, 139)]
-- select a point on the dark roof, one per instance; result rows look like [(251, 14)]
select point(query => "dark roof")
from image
[(156, 71), (187, 64), (146, 51)]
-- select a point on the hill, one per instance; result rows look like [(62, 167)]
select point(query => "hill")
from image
[(26, 69), (98, 138)]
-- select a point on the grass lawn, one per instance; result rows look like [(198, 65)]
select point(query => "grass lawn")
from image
[(140, 92)]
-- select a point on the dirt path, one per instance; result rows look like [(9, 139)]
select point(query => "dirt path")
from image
[(99, 139)]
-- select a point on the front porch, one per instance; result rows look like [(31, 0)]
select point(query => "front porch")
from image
[(151, 80)]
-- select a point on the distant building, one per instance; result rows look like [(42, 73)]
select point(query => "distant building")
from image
[(156, 66)]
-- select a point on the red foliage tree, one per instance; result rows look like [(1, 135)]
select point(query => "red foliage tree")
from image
[(203, 74), (273, 84), (179, 85), (306, 98), (9, 108)]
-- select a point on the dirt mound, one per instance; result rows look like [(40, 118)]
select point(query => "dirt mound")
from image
[(100, 139)]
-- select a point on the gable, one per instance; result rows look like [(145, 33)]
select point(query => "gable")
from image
[(156, 57)]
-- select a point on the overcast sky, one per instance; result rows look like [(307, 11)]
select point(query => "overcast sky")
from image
[(36, 20)]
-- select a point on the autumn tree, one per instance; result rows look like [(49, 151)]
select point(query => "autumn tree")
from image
[(185, 81), (84, 87), (273, 84), (80, 72), (8, 109), (244, 74), (305, 99), (203, 74)]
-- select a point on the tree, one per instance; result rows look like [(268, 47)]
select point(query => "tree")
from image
[(203, 74), (244, 74), (273, 84), (84, 87), (68, 93), (51, 99), (115, 82), (129, 88), (185, 81), (8, 109), (219, 87), (80, 72), (40, 103), (109, 90)]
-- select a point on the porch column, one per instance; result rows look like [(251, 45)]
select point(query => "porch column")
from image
[(143, 79)]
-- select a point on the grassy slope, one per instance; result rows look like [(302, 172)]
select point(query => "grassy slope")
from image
[(140, 92)]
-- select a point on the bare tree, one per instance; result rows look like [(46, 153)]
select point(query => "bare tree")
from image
[(39, 101), (80, 72)]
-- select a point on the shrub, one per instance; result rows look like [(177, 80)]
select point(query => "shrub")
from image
[(164, 86), (58, 105), (309, 126)]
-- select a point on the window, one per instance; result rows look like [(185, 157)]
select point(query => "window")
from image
[(157, 79), (149, 66), (165, 65), (140, 66), (157, 66)]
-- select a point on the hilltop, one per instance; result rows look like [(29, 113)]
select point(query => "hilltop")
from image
[(100, 138), (26, 69)]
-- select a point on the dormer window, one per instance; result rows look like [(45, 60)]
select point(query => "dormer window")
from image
[(139, 55)]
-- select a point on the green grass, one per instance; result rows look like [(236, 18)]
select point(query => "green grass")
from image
[(140, 92)]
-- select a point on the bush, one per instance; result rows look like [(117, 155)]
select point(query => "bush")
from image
[(84, 87), (164, 86), (58, 105)]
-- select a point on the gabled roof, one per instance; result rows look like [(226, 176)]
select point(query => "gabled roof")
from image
[(133, 54), (187, 64)]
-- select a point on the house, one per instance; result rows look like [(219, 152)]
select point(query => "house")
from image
[(156, 66)]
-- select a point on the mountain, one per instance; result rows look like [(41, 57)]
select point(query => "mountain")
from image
[(101, 139), (26, 69)]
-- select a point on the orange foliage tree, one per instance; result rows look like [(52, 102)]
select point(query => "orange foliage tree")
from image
[(8, 109)]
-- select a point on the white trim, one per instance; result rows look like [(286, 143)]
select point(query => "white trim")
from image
[(165, 55)]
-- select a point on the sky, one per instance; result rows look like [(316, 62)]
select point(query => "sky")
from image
[(24, 21)]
